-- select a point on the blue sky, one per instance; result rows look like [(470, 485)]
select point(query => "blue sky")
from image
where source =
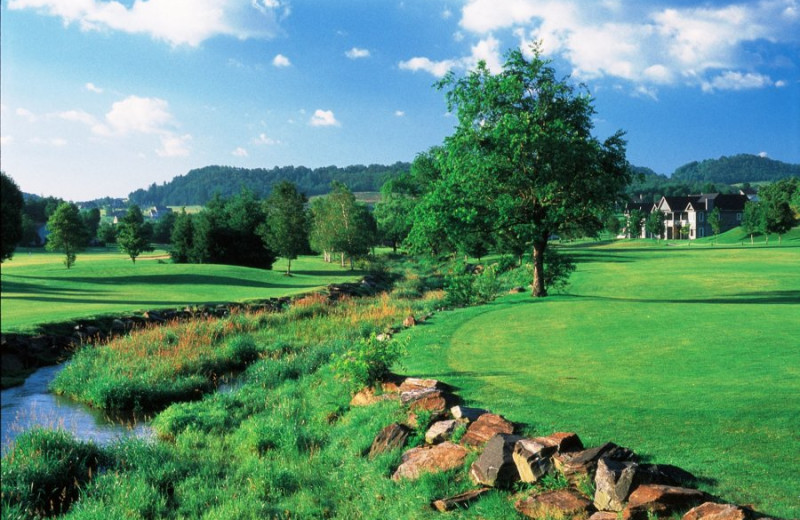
[(103, 97)]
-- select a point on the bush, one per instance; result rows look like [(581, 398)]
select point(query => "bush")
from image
[(368, 361), (463, 288)]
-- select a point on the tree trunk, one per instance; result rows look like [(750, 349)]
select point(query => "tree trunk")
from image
[(288, 267), (539, 289), (342, 259)]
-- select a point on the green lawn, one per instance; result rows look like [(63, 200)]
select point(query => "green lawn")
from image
[(688, 355), (37, 288)]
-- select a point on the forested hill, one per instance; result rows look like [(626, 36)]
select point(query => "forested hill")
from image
[(736, 169), (198, 186)]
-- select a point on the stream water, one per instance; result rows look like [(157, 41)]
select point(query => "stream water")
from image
[(31, 404)]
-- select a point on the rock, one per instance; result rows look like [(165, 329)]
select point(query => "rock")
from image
[(409, 396), (467, 414), (392, 437), (410, 321), (440, 431), (614, 482), (712, 511), (484, 428), (660, 500), (564, 442), (434, 401), (516, 290), (383, 336), (584, 462), (562, 503), (495, 467), (604, 515), (441, 457), (533, 459), (667, 474), (118, 327), (458, 501), (415, 383)]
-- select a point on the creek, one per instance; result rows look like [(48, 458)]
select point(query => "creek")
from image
[(32, 404)]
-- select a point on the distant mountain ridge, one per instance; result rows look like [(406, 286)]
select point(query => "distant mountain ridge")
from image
[(736, 169), (198, 186)]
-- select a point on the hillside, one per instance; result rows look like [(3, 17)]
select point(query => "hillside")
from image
[(199, 185), (736, 169)]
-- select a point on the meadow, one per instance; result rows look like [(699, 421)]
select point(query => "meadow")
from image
[(38, 289), (686, 354)]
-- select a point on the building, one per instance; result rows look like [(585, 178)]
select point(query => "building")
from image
[(687, 217)]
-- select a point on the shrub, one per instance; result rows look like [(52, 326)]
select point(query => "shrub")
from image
[(463, 288), (368, 361)]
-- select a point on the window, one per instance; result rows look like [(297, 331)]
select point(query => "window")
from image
[(738, 217), (701, 217)]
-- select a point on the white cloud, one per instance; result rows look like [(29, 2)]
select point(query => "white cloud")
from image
[(26, 114), (91, 87), (6, 139), (57, 142), (178, 22), (240, 152), (281, 61), (437, 68), (264, 139), (645, 43), (732, 80), (174, 145), (487, 50), (323, 118), (763, 154), (356, 53), (399, 113), (78, 116), (136, 114)]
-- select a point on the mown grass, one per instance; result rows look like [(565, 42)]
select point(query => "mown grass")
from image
[(38, 289), (687, 355)]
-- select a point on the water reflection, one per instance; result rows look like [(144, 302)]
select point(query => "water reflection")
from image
[(29, 405)]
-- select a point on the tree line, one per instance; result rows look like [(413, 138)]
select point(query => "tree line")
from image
[(199, 186)]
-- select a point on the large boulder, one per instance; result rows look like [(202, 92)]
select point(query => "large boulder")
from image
[(562, 503), (390, 438), (467, 414), (495, 467), (713, 511), (614, 482), (441, 457), (660, 500), (577, 464), (440, 431), (415, 383), (533, 459), (564, 442), (484, 428)]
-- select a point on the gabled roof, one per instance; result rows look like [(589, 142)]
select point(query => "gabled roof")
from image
[(644, 207), (675, 204), (730, 202)]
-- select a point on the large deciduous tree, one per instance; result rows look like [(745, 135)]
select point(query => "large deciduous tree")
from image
[(67, 232), (286, 225), (341, 225), (11, 204), (523, 157), (133, 234)]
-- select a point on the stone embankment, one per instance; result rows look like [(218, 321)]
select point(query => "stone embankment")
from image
[(606, 482), (23, 353)]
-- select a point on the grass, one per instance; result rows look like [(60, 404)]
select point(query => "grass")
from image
[(38, 289), (688, 355)]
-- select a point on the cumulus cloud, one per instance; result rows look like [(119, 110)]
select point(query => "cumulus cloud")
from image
[(178, 22), (78, 116), (264, 139), (323, 118), (281, 61), (26, 114), (356, 53), (57, 142), (437, 68), (649, 44), (174, 145), (239, 152), (91, 87), (136, 114), (399, 113), (487, 50)]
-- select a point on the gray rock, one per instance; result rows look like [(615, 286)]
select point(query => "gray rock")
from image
[(614, 482), (440, 431), (533, 459), (495, 467)]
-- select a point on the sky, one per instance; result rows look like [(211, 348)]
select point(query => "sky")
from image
[(102, 97)]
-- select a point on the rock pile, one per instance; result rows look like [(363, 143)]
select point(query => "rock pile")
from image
[(621, 487)]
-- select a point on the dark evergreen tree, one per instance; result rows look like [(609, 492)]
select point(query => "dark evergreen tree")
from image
[(11, 204), (286, 225)]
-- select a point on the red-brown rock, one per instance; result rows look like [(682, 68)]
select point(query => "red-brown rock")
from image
[(712, 511), (563, 503), (392, 437), (484, 428), (441, 457), (660, 500), (564, 442), (415, 383), (410, 321), (458, 501)]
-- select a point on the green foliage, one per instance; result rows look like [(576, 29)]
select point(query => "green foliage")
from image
[(341, 225), (199, 186), (133, 236), (11, 205), (182, 238), (467, 286), (368, 361), (67, 232), (655, 224), (523, 159), (45, 471), (736, 169), (286, 225)]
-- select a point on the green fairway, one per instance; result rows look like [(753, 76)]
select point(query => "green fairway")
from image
[(37, 288), (688, 355)]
